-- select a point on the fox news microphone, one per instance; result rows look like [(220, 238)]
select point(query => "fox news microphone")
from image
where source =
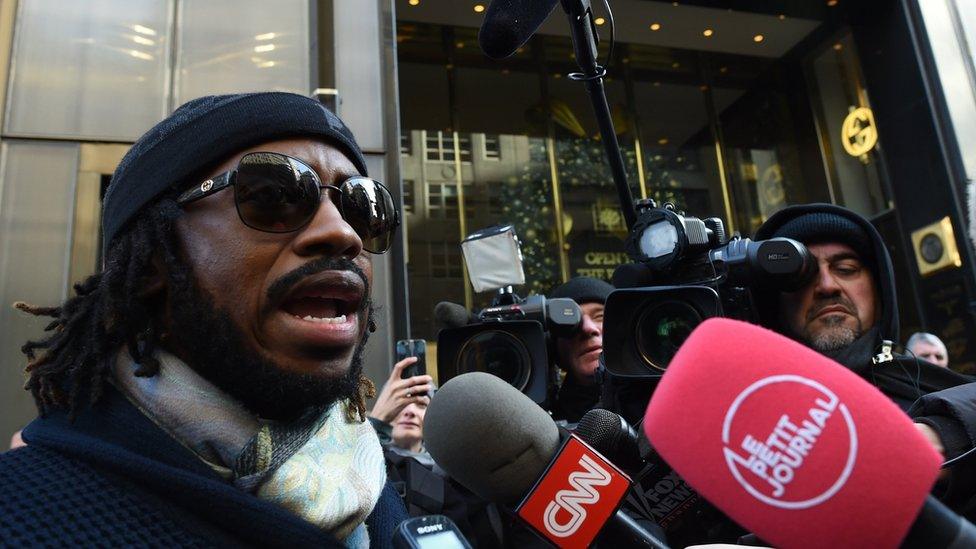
[(658, 493), (509, 24), (503, 447), (794, 446)]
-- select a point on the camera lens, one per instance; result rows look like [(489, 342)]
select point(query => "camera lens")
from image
[(661, 329), (497, 353)]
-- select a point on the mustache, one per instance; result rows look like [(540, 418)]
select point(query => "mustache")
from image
[(822, 304), (280, 287)]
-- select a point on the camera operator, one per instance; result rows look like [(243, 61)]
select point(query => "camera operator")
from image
[(579, 356), (849, 313)]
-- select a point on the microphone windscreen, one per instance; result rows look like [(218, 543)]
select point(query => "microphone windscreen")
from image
[(787, 442), (452, 315), (509, 24), (489, 436)]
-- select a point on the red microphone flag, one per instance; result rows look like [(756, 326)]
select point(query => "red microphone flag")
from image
[(788, 443), (576, 496)]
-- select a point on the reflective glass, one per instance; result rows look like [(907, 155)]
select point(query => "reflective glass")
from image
[(36, 208), (231, 46), (89, 69)]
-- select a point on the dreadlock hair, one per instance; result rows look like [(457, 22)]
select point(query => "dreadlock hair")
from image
[(107, 312), (110, 310)]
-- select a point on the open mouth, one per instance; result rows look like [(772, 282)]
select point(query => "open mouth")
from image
[(321, 309), (326, 299)]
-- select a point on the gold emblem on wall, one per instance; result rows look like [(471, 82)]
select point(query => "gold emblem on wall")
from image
[(935, 247), (607, 218), (859, 134)]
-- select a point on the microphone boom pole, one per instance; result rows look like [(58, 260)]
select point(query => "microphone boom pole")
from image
[(580, 16)]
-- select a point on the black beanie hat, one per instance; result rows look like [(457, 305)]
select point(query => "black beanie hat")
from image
[(584, 289), (820, 227), (202, 133)]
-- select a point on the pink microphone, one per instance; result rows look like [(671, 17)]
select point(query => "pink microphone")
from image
[(788, 443)]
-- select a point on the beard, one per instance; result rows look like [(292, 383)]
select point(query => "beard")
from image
[(835, 335), (213, 345)]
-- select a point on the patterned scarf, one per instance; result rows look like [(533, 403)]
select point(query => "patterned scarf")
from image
[(323, 467)]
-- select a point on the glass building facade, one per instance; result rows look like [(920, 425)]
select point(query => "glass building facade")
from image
[(725, 114), (726, 108)]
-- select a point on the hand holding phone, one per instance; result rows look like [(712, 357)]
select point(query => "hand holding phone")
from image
[(402, 389), (415, 348)]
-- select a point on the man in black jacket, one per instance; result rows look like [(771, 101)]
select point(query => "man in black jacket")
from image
[(849, 313), (206, 388), (579, 356)]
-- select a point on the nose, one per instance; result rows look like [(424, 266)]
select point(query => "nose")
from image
[(328, 234), (826, 282), (590, 328)]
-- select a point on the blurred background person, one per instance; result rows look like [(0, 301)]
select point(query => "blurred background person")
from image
[(408, 428), (928, 347), (397, 394)]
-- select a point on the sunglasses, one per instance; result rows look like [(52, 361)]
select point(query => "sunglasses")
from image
[(276, 193)]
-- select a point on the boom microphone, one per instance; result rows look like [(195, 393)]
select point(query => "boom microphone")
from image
[(503, 447), (509, 24), (793, 446)]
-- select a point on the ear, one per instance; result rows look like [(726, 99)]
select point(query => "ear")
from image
[(154, 283)]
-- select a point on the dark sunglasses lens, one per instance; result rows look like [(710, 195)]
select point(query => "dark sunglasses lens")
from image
[(275, 193), (368, 208)]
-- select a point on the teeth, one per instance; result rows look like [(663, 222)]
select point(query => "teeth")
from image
[(341, 319)]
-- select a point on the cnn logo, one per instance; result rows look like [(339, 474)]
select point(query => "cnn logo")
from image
[(572, 501), (577, 495)]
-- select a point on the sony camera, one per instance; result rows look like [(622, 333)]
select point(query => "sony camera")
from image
[(685, 270), (510, 338)]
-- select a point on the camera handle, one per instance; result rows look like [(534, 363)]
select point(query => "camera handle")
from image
[(584, 43), (505, 296)]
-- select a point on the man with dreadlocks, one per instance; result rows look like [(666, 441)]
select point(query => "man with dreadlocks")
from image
[(206, 387)]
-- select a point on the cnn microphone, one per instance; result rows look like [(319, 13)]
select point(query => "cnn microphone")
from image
[(499, 444), (794, 446), (509, 24)]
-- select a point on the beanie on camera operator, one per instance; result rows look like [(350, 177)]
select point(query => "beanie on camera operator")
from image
[(579, 356)]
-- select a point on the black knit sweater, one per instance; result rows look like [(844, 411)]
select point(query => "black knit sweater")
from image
[(112, 478)]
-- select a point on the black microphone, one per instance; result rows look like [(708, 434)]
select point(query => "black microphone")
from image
[(658, 494), (612, 436), (499, 444), (509, 24), (452, 315)]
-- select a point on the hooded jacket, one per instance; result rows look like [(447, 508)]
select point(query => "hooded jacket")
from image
[(938, 397), (903, 379)]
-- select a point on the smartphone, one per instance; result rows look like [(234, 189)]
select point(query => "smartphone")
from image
[(412, 347)]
